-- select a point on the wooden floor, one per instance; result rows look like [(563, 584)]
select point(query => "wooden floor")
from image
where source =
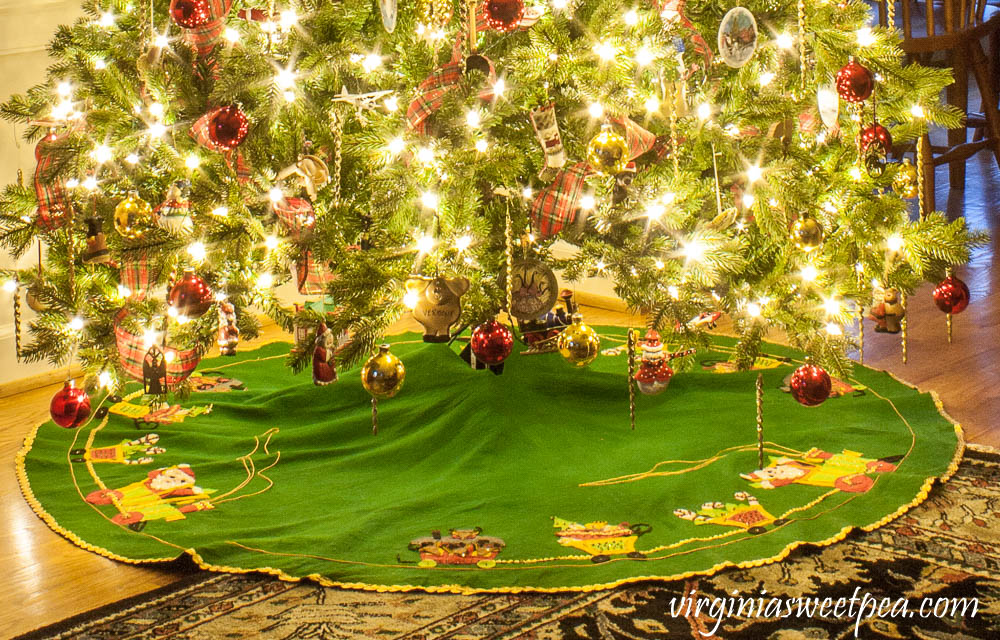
[(50, 579)]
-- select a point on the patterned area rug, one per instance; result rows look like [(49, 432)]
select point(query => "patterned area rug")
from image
[(946, 549)]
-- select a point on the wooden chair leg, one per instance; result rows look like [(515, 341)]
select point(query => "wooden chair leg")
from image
[(988, 88), (958, 96), (927, 168)]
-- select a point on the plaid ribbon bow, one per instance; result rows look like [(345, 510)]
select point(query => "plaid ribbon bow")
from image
[(204, 38), (234, 158), (51, 193), (297, 215), (132, 350), (136, 276), (556, 205)]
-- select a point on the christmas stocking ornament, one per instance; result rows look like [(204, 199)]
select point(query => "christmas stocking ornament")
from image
[(543, 119)]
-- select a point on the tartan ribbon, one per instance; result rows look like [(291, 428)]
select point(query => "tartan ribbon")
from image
[(312, 276), (234, 158), (446, 78), (204, 38), (51, 194), (673, 10), (556, 205), (136, 276), (132, 351), (296, 214)]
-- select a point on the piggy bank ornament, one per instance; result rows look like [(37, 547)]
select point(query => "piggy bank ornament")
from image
[(438, 304)]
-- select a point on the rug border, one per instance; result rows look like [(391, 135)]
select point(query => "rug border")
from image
[(118, 607), (929, 481)]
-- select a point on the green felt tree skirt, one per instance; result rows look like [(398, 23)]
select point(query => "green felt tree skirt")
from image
[(527, 480)]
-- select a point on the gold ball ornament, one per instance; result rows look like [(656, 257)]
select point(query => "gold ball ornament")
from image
[(607, 152), (578, 343), (905, 182), (134, 217), (807, 234), (383, 374)]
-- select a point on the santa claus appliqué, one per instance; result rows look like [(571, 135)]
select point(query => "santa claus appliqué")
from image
[(166, 494)]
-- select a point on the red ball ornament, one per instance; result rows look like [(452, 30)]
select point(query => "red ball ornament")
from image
[(227, 127), (854, 82), (876, 134), (952, 295), (70, 407), (492, 342), (190, 295), (503, 15), (810, 385), (190, 14)]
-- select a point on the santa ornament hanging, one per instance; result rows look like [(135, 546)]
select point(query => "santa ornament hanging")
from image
[(227, 127), (190, 296), (324, 367), (654, 372), (492, 342), (810, 385), (436, 303), (578, 343), (855, 83), (70, 407), (503, 15), (608, 151)]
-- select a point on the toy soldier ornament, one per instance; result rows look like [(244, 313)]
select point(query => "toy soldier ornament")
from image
[(97, 248), (438, 304), (543, 120), (324, 371), (889, 313)]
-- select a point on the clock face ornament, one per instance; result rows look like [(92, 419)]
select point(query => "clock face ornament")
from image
[(534, 289)]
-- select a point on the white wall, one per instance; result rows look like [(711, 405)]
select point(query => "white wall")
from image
[(25, 29)]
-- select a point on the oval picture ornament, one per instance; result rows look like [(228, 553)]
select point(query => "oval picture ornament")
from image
[(738, 37), (389, 9), (829, 104), (534, 289)]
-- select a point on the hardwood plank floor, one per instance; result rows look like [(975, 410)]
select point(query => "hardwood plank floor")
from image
[(50, 579)]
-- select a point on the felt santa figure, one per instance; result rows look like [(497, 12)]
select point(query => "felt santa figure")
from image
[(654, 371), (166, 494), (323, 366)]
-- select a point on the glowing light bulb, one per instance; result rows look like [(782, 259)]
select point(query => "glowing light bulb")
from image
[(704, 111), (754, 173), (753, 309), (76, 323), (894, 243), (271, 243), (785, 41), (833, 329), (161, 42), (391, 104), (430, 200), (482, 145), (668, 198), (410, 299), (90, 183), (605, 51), (156, 130), (150, 337), (644, 56), (10, 286), (425, 244), (527, 192), (596, 110), (197, 251), (809, 273), (655, 211), (231, 35), (425, 155), (855, 173), (265, 281), (865, 36), (132, 158), (672, 290), (748, 200), (694, 251), (396, 146), (72, 183), (559, 5), (499, 87), (463, 242), (276, 195), (285, 79), (600, 265), (64, 89), (587, 202), (832, 306), (123, 291), (473, 118), (860, 268), (652, 104), (221, 212), (766, 78), (107, 19), (631, 17), (287, 19), (371, 62), (105, 380), (917, 111), (192, 162), (288, 95), (102, 153)]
